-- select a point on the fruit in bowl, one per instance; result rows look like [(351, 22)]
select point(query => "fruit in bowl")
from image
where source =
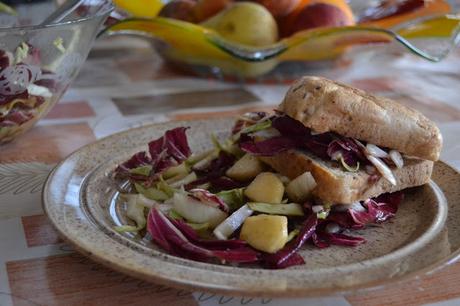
[(248, 39), (258, 22)]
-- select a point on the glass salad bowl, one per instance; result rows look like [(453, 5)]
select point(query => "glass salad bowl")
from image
[(429, 30), (38, 62)]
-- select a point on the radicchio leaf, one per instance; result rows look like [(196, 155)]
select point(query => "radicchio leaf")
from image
[(191, 234), (339, 239), (294, 260), (267, 147), (318, 242), (170, 149), (225, 183), (278, 260), (295, 135), (139, 159), (347, 150), (217, 166), (288, 126), (157, 235), (203, 195), (214, 174), (180, 242), (377, 210)]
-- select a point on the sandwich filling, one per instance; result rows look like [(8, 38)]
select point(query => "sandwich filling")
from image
[(263, 135)]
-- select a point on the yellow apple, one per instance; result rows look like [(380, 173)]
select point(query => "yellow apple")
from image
[(246, 23)]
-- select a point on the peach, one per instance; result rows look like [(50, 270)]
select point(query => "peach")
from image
[(205, 9), (279, 8), (319, 15), (179, 9), (286, 23)]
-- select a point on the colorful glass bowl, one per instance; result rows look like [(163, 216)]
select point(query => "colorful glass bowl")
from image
[(192, 45)]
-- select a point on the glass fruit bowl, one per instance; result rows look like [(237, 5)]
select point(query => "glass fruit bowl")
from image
[(206, 50), (38, 62)]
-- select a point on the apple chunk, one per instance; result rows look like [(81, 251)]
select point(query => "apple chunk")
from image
[(265, 188), (246, 168), (265, 232), (300, 188)]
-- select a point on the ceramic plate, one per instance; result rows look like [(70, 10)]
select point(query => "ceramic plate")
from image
[(83, 205)]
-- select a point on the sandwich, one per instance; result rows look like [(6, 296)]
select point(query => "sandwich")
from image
[(355, 145)]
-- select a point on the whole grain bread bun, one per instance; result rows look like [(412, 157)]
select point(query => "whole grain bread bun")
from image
[(342, 187), (324, 105)]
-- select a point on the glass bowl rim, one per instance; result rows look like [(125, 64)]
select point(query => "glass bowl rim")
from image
[(107, 6)]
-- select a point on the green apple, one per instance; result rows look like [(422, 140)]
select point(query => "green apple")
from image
[(246, 23)]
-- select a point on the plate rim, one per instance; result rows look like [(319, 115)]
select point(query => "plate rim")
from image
[(221, 289)]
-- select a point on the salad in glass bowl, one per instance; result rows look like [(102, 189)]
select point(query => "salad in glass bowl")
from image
[(38, 62), (225, 206)]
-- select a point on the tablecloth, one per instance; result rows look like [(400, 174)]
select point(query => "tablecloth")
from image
[(124, 84)]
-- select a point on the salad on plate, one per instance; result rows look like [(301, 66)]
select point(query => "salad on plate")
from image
[(226, 206)]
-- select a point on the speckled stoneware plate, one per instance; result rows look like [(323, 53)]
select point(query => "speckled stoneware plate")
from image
[(81, 202)]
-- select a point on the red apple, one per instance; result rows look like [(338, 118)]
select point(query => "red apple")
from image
[(279, 8), (205, 9), (179, 9), (320, 15)]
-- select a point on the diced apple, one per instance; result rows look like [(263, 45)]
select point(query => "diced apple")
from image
[(299, 189), (246, 168), (265, 188), (265, 232)]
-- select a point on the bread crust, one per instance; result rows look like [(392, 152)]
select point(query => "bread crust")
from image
[(342, 187), (324, 105)]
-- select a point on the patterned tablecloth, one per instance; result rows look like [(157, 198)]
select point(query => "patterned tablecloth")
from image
[(124, 85)]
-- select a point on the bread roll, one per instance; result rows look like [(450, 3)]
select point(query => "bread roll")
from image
[(324, 105)]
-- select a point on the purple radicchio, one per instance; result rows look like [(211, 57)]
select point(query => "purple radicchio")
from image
[(348, 150), (282, 258), (169, 150), (209, 198), (375, 210), (177, 238), (322, 239), (294, 135)]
